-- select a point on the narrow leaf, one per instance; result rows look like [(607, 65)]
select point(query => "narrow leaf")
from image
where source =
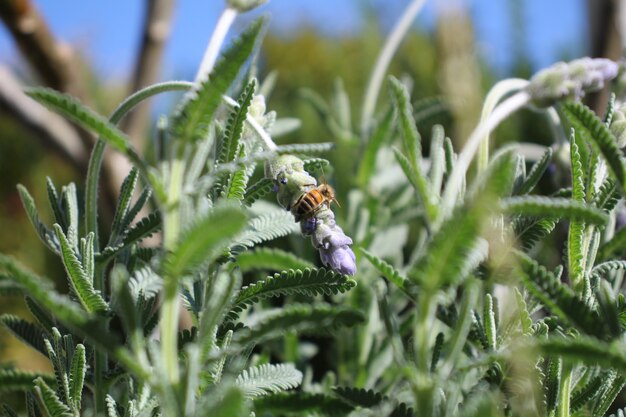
[(81, 284), (262, 380), (205, 239)]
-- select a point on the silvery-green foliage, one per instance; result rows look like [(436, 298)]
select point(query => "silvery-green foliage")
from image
[(116, 323), (455, 312)]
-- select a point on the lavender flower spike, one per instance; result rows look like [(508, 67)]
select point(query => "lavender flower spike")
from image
[(570, 80), (292, 182)]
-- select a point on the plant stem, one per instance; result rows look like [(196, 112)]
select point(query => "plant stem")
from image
[(215, 44), (382, 63), (496, 94), (423, 385), (170, 307), (504, 110), (564, 392)]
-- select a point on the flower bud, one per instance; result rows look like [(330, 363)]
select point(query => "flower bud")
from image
[(570, 80)]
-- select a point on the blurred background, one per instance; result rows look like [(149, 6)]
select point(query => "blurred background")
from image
[(102, 51)]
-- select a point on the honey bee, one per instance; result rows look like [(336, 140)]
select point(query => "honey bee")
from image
[(311, 202)]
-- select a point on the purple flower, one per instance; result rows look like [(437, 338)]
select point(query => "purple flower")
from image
[(339, 258)]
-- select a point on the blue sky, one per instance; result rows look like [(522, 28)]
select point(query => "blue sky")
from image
[(107, 30)]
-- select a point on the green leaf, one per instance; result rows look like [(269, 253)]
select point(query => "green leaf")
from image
[(87, 118), (315, 164), (50, 400), (490, 322), (536, 172), (263, 228), (195, 112), (141, 230), (380, 134), (123, 204), (205, 239), (77, 377), (310, 282), (418, 181), (305, 148), (82, 285), (558, 298), (271, 259), (452, 253), (228, 147), (553, 207), (576, 231), (412, 142), (588, 392), (552, 383), (526, 322), (303, 318), (607, 398), (238, 181), (27, 332), (257, 191), (614, 246), (43, 317), (595, 132), (18, 380), (42, 291), (222, 287), (389, 272), (45, 234), (529, 230), (111, 407), (265, 379)]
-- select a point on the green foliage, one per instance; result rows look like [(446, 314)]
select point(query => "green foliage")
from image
[(308, 282), (461, 324), (596, 133), (265, 379), (195, 112)]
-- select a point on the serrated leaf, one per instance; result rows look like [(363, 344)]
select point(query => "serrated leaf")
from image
[(270, 259), (44, 232), (195, 112), (87, 118), (228, 148), (18, 380), (42, 291), (389, 272), (553, 207), (123, 203), (529, 230), (53, 404), (77, 376), (305, 148), (536, 172), (265, 379), (558, 298), (205, 239), (266, 227), (142, 229), (309, 282), (315, 164), (576, 230), (29, 333), (595, 132), (257, 191), (81, 284), (302, 318)]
